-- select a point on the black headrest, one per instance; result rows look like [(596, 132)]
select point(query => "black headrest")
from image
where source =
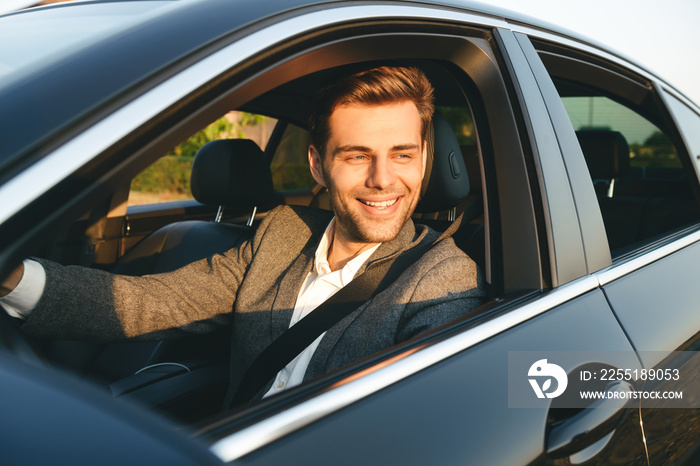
[(607, 153), (232, 172), (446, 182)]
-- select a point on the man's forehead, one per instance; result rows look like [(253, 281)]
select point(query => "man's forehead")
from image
[(400, 118)]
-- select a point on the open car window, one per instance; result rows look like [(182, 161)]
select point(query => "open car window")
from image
[(581, 216)]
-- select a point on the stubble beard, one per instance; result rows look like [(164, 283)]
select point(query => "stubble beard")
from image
[(358, 228)]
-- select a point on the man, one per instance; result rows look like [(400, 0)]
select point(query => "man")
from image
[(369, 150)]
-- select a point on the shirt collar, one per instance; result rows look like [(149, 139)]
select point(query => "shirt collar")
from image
[(321, 265)]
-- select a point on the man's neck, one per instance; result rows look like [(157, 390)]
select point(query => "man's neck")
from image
[(341, 251)]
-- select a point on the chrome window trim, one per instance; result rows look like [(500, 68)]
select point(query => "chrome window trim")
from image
[(622, 269), (398, 368), (30, 184)]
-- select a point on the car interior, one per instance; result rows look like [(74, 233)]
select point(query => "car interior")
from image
[(637, 203), (232, 186)]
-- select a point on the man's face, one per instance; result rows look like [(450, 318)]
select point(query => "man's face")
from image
[(373, 168)]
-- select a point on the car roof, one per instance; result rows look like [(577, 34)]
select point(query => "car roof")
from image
[(154, 37)]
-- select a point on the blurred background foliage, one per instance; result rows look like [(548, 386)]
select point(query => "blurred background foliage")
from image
[(171, 173)]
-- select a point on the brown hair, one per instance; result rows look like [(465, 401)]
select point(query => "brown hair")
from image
[(376, 86)]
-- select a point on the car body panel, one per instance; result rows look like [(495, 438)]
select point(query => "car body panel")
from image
[(657, 305), (595, 244), (42, 409)]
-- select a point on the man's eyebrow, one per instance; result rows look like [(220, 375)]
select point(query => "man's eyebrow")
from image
[(409, 146), (351, 148), (356, 148)]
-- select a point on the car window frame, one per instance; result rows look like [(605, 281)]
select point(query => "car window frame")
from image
[(568, 255), (506, 155)]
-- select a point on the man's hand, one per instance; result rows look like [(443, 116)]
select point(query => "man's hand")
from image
[(12, 280)]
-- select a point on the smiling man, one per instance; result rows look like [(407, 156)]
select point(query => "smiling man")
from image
[(369, 150)]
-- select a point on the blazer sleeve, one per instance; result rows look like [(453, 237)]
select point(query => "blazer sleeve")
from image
[(92, 305)]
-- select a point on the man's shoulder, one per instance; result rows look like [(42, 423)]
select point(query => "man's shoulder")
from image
[(297, 217), (446, 247), (445, 255), (291, 227)]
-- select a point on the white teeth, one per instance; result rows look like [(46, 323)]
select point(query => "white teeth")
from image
[(380, 205)]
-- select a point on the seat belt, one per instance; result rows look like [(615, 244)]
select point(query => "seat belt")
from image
[(294, 340)]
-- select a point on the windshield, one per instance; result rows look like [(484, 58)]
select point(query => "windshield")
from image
[(37, 37)]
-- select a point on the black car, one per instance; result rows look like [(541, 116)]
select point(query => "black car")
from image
[(584, 214)]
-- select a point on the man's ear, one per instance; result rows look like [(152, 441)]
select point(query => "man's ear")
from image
[(316, 165), (425, 157)]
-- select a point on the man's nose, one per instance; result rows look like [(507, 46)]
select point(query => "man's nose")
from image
[(381, 174)]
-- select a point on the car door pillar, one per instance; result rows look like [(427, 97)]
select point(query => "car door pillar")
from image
[(563, 232)]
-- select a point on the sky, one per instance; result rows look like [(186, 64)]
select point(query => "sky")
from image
[(663, 36)]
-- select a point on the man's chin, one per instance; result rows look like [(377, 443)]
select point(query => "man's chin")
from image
[(361, 227), (377, 232)]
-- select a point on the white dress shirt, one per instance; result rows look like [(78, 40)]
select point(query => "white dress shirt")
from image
[(320, 284), (21, 301)]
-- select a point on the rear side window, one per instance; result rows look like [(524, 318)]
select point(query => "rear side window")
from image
[(638, 166), (627, 155)]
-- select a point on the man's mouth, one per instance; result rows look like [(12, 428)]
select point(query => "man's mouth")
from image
[(379, 204)]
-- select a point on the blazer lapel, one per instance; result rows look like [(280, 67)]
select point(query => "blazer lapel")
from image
[(288, 290)]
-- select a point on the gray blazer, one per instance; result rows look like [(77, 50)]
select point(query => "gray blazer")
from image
[(260, 282)]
